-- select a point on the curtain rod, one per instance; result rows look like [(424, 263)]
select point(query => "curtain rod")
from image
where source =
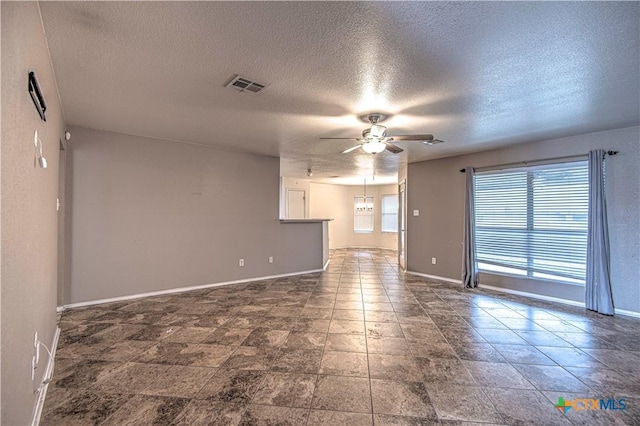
[(534, 162)]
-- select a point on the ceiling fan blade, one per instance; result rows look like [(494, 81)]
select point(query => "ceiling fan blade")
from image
[(344, 139), (394, 149), (353, 148), (412, 138)]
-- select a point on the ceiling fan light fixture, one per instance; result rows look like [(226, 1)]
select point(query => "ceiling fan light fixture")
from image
[(374, 147)]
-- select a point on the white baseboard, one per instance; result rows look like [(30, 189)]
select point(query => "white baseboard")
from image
[(179, 290), (363, 247), (523, 293), (627, 313), (324, 268), (554, 299), (532, 295), (435, 277), (44, 386)]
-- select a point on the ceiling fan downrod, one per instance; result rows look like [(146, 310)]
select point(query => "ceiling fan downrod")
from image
[(374, 117)]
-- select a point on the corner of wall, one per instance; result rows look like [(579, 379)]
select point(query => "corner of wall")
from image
[(29, 219)]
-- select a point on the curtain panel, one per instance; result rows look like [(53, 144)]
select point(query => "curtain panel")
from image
[(598, 295), (469, 261)]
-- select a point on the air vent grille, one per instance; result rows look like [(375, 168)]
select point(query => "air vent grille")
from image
[(243, 84)]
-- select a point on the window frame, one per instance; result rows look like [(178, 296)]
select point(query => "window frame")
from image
[(533, 227), (383, 214)]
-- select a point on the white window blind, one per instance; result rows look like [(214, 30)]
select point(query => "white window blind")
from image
[(389, 210), (532, 221), (363, 214)]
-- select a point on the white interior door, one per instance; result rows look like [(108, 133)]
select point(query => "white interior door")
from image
[(402, 221), (296, 206)]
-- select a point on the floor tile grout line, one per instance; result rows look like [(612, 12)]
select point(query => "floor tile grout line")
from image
[(322, 355), (535, 388), (366, 343), (492, 344)]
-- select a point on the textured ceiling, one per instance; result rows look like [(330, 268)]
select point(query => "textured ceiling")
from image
[(476, 74)]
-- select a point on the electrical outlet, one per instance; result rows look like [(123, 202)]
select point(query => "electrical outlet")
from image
[(416, 212), (433, 260), (241, 262), (270, 259)]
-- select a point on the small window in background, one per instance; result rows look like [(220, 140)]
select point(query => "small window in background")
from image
[(363, 214), (389, 213)]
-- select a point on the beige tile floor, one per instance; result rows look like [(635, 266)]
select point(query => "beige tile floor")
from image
[(358, 344)]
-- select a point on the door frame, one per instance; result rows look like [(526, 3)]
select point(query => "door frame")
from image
[(402, 224), (62, 228)]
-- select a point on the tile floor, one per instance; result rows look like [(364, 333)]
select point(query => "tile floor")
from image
[(359, 344)]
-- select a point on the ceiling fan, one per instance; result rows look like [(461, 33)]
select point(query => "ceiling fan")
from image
[(375, 140)]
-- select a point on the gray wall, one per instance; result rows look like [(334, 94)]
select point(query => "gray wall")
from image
[(436, 188), (150, 215), (29, 218)]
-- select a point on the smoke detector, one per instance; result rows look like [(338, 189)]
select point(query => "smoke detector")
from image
[(243, 84)]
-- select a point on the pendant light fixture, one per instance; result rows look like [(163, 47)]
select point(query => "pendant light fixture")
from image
[(364, 205)]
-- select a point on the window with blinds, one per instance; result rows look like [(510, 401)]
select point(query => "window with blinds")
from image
[(389, 213), (533, 221), (363, 214)]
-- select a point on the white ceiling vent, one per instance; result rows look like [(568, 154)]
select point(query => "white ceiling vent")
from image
[(243, 84)]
